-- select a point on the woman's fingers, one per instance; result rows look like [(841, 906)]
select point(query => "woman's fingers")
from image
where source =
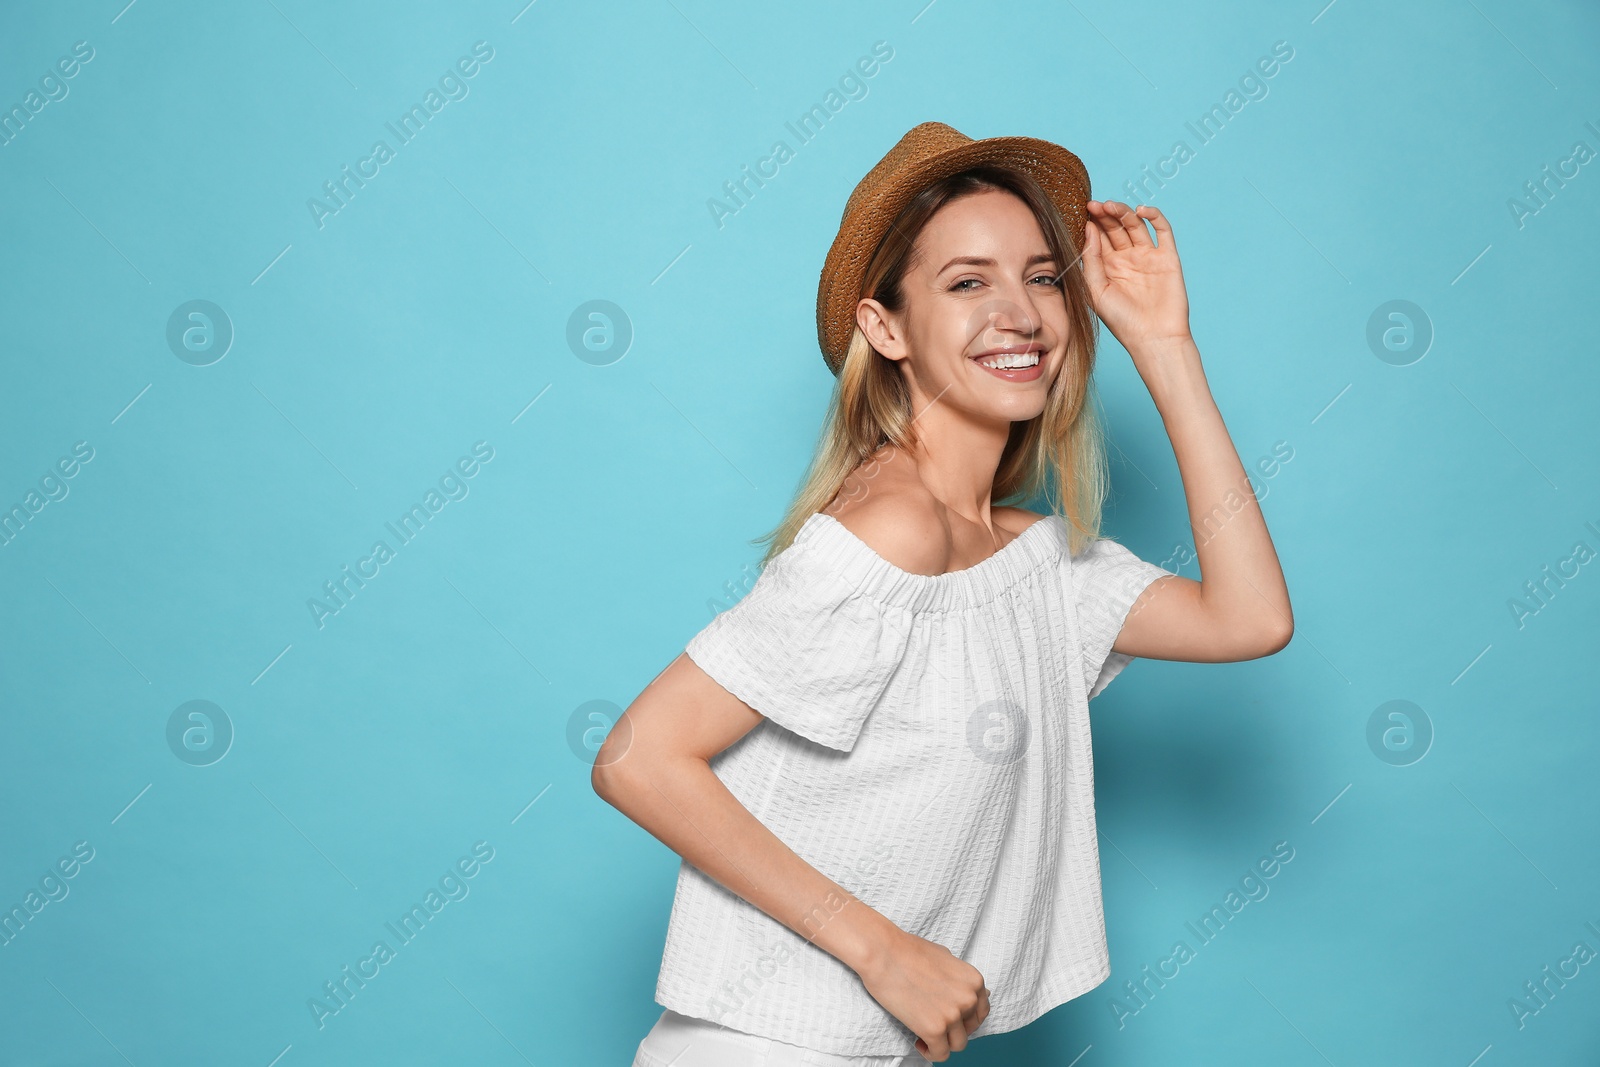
[(1124, 226), (956, 1036), (974, 1018), (1162, 226), (1132, 224), (1115, 234), (1093, 272)]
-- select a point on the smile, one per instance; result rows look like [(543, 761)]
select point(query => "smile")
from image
[(1009, 360), (1018, 363)]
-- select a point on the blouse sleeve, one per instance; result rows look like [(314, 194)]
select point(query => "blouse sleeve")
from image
[(1106, 579), (804, 649)]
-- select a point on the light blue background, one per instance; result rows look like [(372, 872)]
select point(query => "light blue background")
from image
[(432, 311)]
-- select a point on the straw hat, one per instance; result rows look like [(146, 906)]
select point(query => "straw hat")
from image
[(926, 154)]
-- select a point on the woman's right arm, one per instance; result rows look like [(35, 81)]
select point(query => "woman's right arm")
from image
[(654, 767)]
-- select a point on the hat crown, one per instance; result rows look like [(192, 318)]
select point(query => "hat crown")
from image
[(925, 139)]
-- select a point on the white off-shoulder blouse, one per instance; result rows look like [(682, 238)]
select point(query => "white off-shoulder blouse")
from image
[(926, 746)]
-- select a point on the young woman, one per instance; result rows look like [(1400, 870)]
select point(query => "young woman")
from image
[(877, 765)]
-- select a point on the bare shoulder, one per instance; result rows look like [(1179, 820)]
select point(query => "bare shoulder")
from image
[(1015, 519), (887, 507)]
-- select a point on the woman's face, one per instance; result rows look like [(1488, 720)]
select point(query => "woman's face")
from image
[(983, 288)]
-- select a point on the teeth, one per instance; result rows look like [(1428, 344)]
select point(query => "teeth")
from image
[(1010, 361)]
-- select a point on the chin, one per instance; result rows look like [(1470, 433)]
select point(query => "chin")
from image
[(1013, 408)]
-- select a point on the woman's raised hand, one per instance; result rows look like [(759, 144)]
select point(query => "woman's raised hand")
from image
[(939, 997), (1136, 286)]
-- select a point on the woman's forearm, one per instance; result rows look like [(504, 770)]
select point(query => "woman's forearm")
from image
[(1242, 584), (684, 805)]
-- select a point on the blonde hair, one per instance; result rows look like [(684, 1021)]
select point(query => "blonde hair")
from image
[(1059, 454)]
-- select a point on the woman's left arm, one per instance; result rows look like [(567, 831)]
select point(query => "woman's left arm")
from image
[(1239, 609)]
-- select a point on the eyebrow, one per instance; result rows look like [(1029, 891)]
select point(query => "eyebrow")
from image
[(984, 261)]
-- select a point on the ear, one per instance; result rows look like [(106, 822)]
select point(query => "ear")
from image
[(882, 328)]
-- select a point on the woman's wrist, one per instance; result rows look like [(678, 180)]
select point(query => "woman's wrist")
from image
[(1171, 370), (859, 937)]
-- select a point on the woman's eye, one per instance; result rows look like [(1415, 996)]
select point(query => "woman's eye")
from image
[(960, 286)]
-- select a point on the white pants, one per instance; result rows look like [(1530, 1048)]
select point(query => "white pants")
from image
[(681, 1041)]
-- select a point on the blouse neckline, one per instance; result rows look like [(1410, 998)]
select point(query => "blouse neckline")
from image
[(852, 559)]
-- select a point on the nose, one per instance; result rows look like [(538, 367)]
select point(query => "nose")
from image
[(1003, 321)]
